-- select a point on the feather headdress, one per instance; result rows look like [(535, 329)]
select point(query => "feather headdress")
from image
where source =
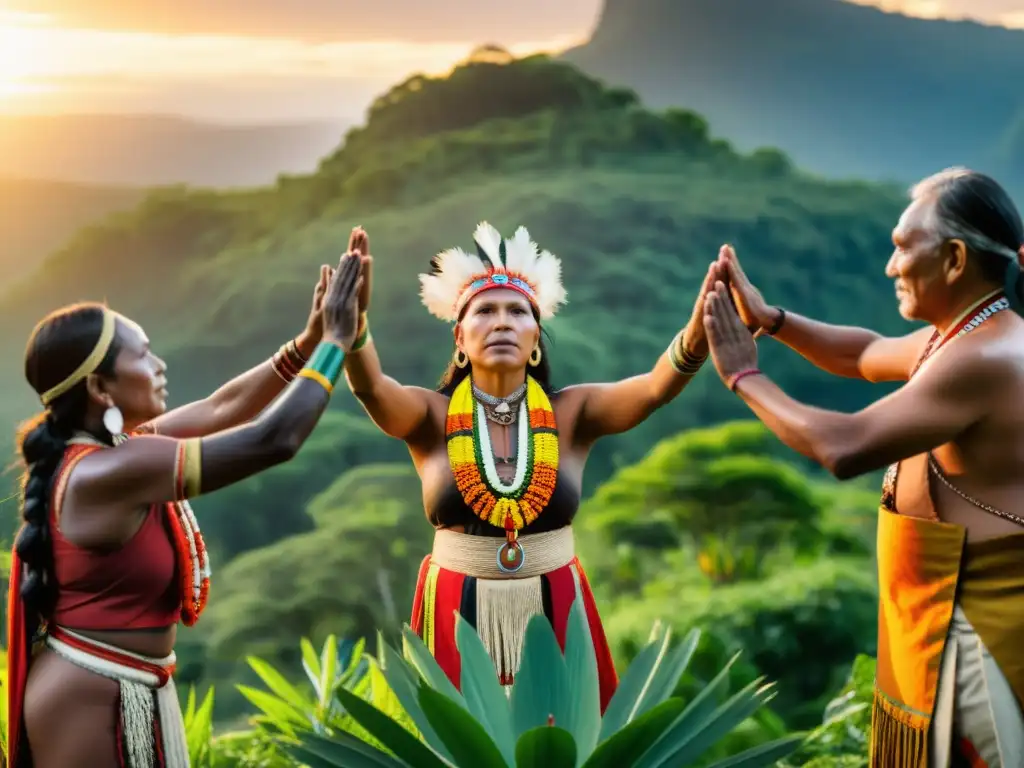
[(515, 263)]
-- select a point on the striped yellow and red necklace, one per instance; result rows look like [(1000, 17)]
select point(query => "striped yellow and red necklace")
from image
[(515, 505)]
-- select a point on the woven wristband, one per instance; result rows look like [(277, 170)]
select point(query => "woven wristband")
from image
[(324, 367), (736, 378)]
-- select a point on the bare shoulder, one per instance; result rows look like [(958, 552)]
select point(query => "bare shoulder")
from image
[(569, 399), (567, 404), (977, 365), (432, 431), (433, 398)]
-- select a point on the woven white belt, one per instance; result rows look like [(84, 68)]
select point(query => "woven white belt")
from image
[(477, 556), (138, 708)]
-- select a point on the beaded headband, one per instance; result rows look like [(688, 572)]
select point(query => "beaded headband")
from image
[(515, 263), (90, 364)]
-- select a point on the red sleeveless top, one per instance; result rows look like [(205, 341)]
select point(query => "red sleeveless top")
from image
[(133, 587)]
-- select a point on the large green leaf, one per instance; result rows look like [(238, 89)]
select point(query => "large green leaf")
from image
[(584, 720), (328, 671), (625, 747), (340, 751), (465, 738), (278, 712), (692, 718), (278, 685), (403, 744), (546, 747), (763, 755), (639, 677), (541, 686), (683, 748), (423, 660), (485, 698), (198, 725), (402, 680), (663, 684), (310, 661)]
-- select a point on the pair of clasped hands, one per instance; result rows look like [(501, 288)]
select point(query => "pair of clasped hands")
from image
[(342, 294), (732, 313)]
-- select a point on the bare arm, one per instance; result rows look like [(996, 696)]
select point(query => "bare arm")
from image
[(856, 353), (842, 350), (398, 410), (610, 409), (939, 404), (616, 407), (150, 469), (246, 395), (143, 470)]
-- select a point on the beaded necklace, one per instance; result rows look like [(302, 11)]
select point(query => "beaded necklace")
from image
[(515, 505)]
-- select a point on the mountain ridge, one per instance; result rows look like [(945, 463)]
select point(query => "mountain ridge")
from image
[(844, 89), (138, 149)]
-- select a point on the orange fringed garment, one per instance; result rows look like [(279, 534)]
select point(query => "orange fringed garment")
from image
[(924, 568)]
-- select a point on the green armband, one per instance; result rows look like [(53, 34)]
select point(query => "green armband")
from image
[(364, 336), (324, 367)]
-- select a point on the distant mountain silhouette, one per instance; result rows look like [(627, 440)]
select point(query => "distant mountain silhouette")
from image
[(148, 150), (843, 89)]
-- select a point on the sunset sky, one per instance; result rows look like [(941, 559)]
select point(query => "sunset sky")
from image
[(271, 60)]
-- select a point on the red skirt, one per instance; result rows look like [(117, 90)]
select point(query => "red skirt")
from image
[(441, 592)]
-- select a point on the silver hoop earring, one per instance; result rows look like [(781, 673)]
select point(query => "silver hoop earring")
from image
[(113, 420)]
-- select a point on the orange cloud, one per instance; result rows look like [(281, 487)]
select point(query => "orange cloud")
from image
[(331, 20)]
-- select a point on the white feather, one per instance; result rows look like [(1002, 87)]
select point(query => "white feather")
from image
[(489, 239), (520, 252), (443, 291)]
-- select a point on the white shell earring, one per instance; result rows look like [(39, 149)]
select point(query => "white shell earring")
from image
[(113, 420)]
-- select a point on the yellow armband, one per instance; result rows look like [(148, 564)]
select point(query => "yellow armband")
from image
[(188, 469)]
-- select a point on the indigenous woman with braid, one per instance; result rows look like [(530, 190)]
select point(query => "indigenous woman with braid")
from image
[(500, 453), (110, 556)]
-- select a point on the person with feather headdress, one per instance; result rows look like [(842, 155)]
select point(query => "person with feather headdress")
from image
[(499, 452)]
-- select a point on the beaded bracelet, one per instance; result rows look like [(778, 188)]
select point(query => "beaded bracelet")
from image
[(288, 361), (736, 378), (685, 363), (324, 367)]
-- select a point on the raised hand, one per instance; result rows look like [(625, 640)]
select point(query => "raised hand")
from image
[(315, 324), (359, 242), (733, 348), (694, 337), (753, 310), (341, 302)]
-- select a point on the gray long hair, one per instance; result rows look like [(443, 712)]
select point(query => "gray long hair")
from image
[(973, 207)]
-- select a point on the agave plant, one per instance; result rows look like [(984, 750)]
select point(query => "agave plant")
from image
[(339, 668), (552, 717)]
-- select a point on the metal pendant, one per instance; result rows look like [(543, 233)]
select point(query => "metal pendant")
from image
[(511, 556)]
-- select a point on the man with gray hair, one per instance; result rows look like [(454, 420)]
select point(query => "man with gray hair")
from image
[(949, 686)]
